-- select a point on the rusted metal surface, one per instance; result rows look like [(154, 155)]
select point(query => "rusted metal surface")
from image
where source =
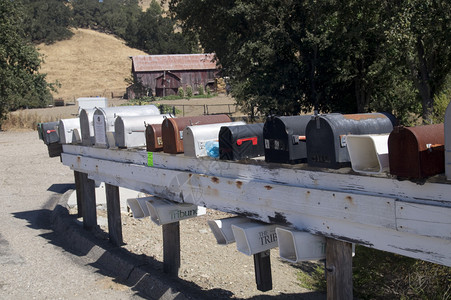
[(285, 139), (326, 136), (154, 139), (241, 142), (172, 130), (417, 152)]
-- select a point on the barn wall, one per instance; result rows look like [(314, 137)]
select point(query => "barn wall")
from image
[(195, 78)]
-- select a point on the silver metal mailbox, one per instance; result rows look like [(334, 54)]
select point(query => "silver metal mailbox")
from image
[(87, 127), (131, 131), (69, 131), (104, 118), (195, 137)]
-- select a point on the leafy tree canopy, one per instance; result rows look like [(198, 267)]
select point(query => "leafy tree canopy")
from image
[(352, 56), (21, 85)]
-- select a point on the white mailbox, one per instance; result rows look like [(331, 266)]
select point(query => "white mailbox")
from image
[(69, 131), (255, 237), (195, 137), (91, 103), (222, 229), (296, 246), (131, 131), (163, 211), (368, 152), (87, 127), (104, 119)]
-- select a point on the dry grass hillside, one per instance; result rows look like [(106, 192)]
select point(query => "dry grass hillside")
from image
[(89, 64)]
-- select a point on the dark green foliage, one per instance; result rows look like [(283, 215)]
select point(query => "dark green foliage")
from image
[(47, 21), (155, 34), (354, 56), (20, 83)]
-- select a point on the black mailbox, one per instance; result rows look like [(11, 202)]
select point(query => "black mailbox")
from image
[(50, 132), (241, 142), (326, 136), (285, 139)]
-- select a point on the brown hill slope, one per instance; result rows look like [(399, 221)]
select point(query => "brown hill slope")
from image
[(89, 64)]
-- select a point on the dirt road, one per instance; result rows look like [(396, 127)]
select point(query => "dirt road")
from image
[(34, 263)]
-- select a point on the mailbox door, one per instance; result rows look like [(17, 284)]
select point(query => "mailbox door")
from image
[(241, 142), (154, 140), (50, 132)]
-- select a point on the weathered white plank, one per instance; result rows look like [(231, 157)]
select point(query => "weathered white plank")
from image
[(299, 175), (423, 219), (364, 219)]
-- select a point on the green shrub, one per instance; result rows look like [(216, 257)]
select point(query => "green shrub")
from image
[(208, 90), (201, 90), (181, 92), (189, 91)]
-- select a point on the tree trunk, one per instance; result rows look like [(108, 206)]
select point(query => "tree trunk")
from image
[(420, 75)]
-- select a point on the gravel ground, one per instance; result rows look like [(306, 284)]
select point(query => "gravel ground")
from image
[(207, 264), (219, 270)]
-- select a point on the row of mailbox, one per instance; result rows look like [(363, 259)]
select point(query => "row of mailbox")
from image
[(370, 143)]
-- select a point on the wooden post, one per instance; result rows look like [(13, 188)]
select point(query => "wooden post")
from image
[(78, 190), (88, 193), (171, 248), (262, 266), (114, 214), (338, 270)]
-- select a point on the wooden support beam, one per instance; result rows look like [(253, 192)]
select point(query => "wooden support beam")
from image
[(114, 214), (338, 270), (78, 191), (262, 266), (88, 193), (171, 248)]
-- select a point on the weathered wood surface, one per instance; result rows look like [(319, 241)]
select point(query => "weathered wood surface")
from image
[(88, 199), (78, 191), (382, 213), (114, 214), (338, 270), (171, 248)]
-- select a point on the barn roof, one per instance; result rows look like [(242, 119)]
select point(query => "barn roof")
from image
[(174, 62)]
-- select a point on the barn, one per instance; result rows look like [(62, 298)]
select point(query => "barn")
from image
[(162, 75)]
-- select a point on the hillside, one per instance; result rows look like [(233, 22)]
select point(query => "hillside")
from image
[(89, 64)]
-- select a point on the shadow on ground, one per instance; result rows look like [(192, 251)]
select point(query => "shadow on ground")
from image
[(141, 273)]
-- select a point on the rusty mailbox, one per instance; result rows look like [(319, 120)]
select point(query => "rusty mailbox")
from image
[(130, 131), (154, 138), (417, 152), (241, 142), (285, 139), (172, 130), (326, 136)]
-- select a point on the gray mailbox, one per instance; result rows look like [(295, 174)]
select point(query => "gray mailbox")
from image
[(104, 118), (131, 131)]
